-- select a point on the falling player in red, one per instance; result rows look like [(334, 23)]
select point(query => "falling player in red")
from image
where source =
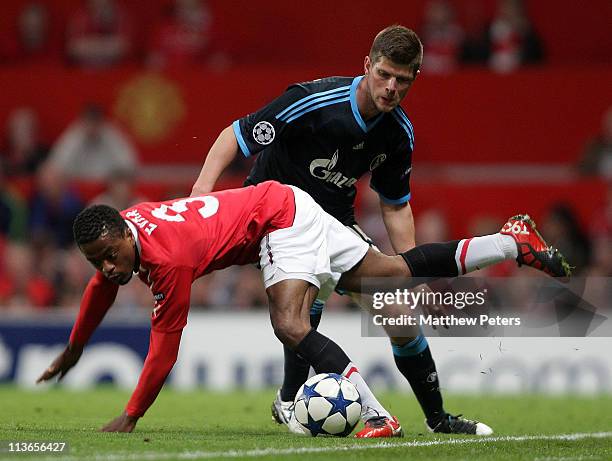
[(298, 246)]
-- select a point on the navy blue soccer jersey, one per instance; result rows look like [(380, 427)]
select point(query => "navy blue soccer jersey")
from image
[(314, 137)]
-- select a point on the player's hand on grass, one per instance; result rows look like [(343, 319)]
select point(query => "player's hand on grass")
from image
[(64, 362), (122, 423)]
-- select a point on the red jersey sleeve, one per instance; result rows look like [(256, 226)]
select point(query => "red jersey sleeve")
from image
[(98, 297), (163, 351), (172, 292)]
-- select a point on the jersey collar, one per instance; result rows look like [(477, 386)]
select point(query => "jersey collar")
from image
[(365, 126), (138, 247)]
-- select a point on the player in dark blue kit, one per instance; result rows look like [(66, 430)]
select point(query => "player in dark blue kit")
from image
[(322, 136)]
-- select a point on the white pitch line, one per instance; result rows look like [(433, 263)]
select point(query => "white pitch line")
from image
[(261, 452), (570, 458)]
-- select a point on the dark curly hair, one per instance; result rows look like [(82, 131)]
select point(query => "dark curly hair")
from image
[(96, 220)]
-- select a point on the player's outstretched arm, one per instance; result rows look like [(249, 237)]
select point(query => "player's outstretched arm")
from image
[(169, 319), (97, 299), (163, 351), (218, 159)]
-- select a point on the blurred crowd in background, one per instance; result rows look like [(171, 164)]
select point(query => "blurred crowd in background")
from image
[(39, 265), (104, 33)]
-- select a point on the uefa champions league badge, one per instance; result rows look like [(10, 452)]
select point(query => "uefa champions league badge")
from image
[(263, 133)]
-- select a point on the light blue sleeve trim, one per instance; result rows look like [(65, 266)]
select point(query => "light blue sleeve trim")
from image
[(243, 147), (390, 201), (399, 201)]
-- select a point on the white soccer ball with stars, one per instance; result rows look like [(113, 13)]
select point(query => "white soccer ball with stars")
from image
[(327, 404)]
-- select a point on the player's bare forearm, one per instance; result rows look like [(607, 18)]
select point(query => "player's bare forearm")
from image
[(219, 157), (399, 223)]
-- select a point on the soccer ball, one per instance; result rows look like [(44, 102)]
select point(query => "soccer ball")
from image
[(327, 404)]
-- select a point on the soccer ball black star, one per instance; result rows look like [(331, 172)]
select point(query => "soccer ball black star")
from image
[(328, 404)]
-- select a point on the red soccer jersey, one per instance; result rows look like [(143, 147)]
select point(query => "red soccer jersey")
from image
[(179, 241)]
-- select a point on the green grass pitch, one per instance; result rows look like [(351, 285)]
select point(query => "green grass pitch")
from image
[(237, 425)]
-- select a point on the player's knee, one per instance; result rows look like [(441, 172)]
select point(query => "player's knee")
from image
[(398, 267), (289, 331)]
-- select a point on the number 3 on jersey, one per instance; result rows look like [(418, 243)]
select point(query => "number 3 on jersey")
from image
[(210, 207)]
